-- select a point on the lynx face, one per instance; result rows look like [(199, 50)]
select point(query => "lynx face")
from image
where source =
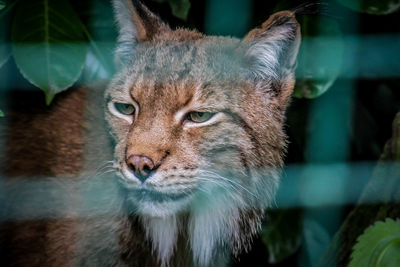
[(183, 116), (197, 123)]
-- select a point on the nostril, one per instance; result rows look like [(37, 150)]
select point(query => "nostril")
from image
[(141, 166), (146, 168), (131, 166)]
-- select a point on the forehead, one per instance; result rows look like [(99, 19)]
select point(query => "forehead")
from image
[(178, 70), (201, 60), (159, 96)]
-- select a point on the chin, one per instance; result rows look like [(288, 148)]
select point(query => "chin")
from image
[(154, 204)]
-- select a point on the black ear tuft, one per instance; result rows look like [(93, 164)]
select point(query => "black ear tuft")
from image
[(136, 23)]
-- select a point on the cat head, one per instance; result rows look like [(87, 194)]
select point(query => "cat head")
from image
[(198, 120)]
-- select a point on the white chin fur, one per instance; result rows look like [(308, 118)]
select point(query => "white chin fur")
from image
[(162, 209), (163, 233)]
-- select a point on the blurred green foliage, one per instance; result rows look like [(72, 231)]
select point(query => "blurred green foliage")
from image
[(320, 57), (180, 8), (375, 7), (54, 29), (48, 44), (281, 234)]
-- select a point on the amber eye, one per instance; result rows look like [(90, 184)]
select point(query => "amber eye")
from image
[(123, 108), (200, 117)]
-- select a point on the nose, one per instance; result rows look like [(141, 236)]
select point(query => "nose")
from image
[(141, 166)]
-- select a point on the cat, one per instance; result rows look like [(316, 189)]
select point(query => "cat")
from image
[(191, 131)]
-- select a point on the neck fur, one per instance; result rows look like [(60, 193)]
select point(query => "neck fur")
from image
[(211, 235)]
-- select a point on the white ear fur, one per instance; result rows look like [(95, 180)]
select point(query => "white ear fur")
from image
[(272, 49), (128, 29)]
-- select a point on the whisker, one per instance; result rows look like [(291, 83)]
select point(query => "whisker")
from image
[(104, 172), (223, 185), (231, 182), (106, 164)]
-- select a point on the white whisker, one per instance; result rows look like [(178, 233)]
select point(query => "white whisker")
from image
[(234, 183)]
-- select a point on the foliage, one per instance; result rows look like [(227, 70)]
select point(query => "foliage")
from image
[(320, 56), (101, 33), (381, 7), (53, 45), (180, 8), (5, 50), (1, 113), (51, 54), (66, 43), (282, 234), (379, 245)]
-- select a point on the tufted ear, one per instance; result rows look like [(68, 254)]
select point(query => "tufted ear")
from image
[(271, 50), (135, 24)]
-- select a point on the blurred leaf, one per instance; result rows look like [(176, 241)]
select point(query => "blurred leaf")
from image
[(375, 7), (98, 17), (180, 8), (95, 69), (282, 234), (1, 113), (320, 56), (379, 245), (100, 30), (5, 49), (2, 4), (48, 44)]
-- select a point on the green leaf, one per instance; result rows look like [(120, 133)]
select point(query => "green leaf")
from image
[(180, 8), (375, 7), (282, 234), (1, 113), (5, 48), (5, 51), (320, 56), (379, 245), (48, 44), (2, 4), (100, 29)]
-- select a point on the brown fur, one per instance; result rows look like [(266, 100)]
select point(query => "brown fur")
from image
[(60, 149), (81, 216)]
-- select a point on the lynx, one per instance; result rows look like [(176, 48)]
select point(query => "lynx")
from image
[(195, 123)]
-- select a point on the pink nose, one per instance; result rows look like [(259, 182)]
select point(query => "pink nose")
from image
[(141, 166)]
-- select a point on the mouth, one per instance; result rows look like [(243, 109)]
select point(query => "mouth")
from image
[(144, 193), (150, 195)]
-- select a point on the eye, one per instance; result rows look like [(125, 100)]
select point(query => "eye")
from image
[(200, 117), (123, 108)]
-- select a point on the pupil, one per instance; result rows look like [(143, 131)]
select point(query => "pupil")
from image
[(200, 114), (124, 108)]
